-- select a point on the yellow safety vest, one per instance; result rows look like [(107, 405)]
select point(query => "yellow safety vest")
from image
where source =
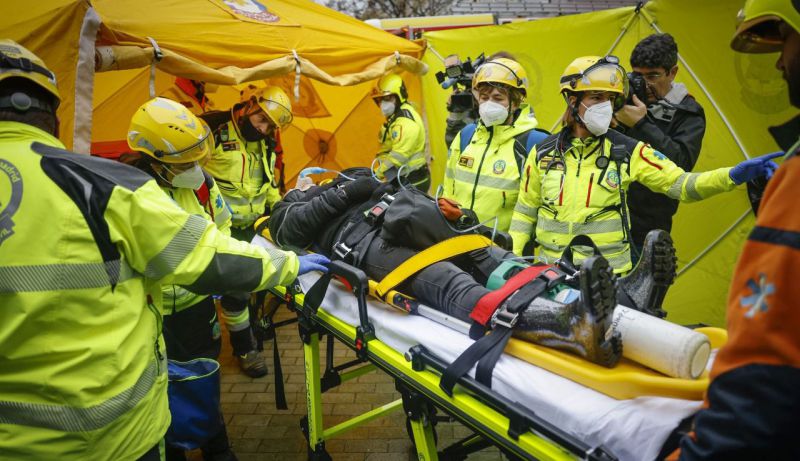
[(565, 192), (245, 174), (176, 298), (485, 177), (85, 244), (402, 141)]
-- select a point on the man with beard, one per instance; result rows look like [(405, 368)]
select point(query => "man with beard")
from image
[(752, 407)]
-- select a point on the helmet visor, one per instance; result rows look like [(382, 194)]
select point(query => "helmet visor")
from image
[(198, 152), (761, 35), (495, 72), (280, 115)]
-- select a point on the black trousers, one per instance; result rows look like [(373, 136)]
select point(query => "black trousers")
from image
[(453, 287)]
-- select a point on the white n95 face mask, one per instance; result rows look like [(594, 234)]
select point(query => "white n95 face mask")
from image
[(190, 179), (387, 108), (492, 113), (597, 118)]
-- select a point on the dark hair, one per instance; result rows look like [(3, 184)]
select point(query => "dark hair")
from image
[(44, 120), (654, 51)]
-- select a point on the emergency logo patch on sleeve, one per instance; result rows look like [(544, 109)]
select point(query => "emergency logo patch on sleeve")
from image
[(397, 132), (757, 302), (466, 161), (659, 155), (499, 167)]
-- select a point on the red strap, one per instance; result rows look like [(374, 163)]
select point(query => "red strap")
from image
[(490, 302)]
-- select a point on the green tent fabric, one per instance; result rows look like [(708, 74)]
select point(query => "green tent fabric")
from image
[(742, 95)]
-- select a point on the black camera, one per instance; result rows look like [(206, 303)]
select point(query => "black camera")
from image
[(638, 86), (458, 75)]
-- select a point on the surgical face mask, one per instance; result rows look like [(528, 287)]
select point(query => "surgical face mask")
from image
[(189, 179), (387, 108), (597, 118), (492, 113)]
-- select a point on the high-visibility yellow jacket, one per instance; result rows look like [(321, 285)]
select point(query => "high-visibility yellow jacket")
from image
[(565, 192), (402, 141), (208, 203), (245, 174), (85, 244), (485, 177)]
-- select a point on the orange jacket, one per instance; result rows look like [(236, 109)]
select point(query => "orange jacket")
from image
[(752, 407)]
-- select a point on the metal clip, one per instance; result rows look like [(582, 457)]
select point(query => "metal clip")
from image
[(341, 250), (504, 318)]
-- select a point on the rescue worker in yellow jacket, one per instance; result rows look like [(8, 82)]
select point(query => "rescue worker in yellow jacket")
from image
[(85, 246), (402, 137), (485, 160), (191, 329), (243, 164), (574, 182)]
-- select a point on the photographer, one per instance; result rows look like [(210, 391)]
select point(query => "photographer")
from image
[(461, 110), (665, 116)]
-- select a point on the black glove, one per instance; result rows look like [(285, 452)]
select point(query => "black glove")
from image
[(360, 189)]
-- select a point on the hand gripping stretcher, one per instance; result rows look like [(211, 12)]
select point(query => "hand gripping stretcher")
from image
[(542, 403)]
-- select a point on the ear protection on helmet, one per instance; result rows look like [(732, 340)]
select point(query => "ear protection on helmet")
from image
[(23, 102)]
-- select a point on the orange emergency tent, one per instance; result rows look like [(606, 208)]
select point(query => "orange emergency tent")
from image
[(107, 54)]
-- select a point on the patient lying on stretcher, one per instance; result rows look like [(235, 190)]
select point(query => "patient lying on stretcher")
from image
[(347, 219)]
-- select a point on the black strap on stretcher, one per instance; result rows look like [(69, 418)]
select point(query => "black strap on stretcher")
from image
[(360, 231), (487, 350)]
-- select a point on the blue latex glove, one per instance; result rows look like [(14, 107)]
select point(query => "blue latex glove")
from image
[(312, 262), (754, 168)]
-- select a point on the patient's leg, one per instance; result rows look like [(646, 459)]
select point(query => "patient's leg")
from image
[(579, 327), (646, 285), (443, 285)]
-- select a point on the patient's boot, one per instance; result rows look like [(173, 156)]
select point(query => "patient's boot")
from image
[(581, 326), (646, 285)]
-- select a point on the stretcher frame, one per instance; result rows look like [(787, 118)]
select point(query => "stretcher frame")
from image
[(496, 420)]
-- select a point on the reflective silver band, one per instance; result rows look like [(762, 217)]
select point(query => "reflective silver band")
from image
[(674, 191), (691, 188), (73, 419), (551, 225), (520, 226), (487, 181), (176, 250), (57, 277), (526, 210)]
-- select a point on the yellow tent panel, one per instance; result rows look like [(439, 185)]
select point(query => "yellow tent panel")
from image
[(741, 94)]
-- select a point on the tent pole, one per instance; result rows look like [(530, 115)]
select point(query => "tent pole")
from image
[(713, 102), (708, 248), (624, 30), (84, 84)]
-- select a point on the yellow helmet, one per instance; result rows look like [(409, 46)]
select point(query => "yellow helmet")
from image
[(390, 84), (168, 132), (17, 61), (593, 73), (758, 26), (501, 70), (276, 104)]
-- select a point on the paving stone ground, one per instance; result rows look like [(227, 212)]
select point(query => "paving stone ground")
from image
[(258, 431)]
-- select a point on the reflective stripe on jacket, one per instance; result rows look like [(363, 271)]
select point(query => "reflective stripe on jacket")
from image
[(486, 177), (177, 298), (564, 193), (245, 174), (85, 244), (402, 141)]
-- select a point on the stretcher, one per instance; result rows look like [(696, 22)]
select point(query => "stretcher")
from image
[(529, 412)]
